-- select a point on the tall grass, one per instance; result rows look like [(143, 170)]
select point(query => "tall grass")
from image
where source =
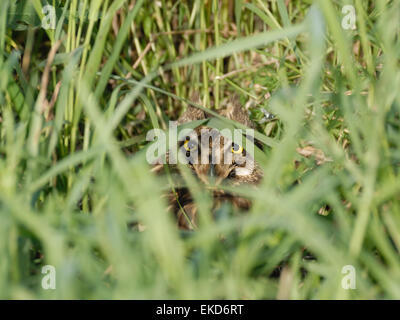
[(76, 103)]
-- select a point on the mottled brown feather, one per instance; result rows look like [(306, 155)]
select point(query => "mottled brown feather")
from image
[(181, 202)]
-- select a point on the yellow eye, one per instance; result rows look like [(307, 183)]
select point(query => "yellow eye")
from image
[(236, 148), (189, 145)]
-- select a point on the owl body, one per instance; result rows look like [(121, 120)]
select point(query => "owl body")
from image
[(214, 159)]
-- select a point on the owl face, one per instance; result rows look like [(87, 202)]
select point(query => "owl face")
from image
[(215, 158)]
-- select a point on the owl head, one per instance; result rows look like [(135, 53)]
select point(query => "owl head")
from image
[(215, 159), (212, 155)]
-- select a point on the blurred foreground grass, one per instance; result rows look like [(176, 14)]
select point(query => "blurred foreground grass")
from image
[(76, 103)]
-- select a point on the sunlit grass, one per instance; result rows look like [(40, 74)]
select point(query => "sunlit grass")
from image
[(76, 104)]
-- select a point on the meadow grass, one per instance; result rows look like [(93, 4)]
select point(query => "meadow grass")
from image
[(77, 101)]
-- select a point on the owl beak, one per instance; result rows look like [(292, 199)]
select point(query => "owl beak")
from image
[(212, 175), (217, 177), (212, 171)]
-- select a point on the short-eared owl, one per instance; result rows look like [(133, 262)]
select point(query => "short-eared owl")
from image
[(208, 162)]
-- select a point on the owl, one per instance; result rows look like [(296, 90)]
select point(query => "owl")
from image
[(215, 160)]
